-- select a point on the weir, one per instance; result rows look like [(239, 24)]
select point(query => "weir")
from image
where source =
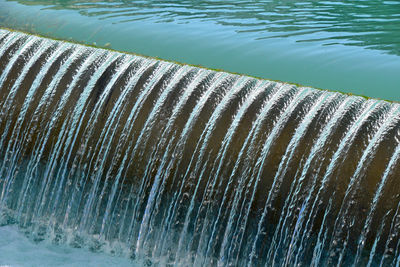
[(177, 165)]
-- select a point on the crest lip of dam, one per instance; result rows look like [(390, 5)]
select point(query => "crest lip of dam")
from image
[(193, 65), (356, 54)]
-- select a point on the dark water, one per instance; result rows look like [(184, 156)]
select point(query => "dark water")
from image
[(172, 165), (351, 46)]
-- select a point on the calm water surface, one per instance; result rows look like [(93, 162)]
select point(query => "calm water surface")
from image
[(351, 46)]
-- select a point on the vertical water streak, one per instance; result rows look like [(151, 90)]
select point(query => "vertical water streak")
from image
[(42, 139), (378, 194), (27, 44), (15, 86), (43, 46), (216, 81), (159, 73), (367, 156), (78, 163), (250, 96), (281, 91), (116, 112), (296, 185), (282, 169), (167, 131), (319, 145), (89, 61), (17, 152), (156, 183), (77, 115), (202, 144), (124, 64), (370, 107), (256, 172), (8, 42)]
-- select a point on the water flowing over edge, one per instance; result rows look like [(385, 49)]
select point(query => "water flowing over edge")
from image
[(177, 165)]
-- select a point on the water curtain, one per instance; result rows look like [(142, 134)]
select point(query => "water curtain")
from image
[(177, 165)]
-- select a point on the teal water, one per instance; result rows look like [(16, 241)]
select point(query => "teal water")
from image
[(351, 46), (17, 250)]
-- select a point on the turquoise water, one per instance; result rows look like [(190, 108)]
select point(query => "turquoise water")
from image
[(351, 46), (16, 250)]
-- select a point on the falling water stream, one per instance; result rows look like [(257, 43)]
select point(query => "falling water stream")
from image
[(174, 165)]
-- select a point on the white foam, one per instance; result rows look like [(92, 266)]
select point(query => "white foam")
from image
[(17, 250)]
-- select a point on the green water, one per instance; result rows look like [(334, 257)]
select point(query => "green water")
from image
[(351, 46)]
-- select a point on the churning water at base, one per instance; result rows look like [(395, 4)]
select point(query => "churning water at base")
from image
[(16, 250), (180, 166)]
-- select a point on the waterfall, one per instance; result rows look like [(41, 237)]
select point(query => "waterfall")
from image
[(175, 165)]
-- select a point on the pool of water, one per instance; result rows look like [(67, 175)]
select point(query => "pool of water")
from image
[(351, 46), (17, 250)]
